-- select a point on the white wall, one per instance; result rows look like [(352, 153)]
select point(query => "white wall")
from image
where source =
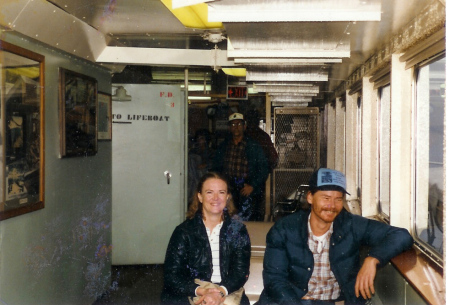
[(52, 256)]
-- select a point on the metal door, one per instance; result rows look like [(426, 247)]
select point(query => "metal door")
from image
[(148, 172)]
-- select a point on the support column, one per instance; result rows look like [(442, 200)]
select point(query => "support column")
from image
[(351, 151), (401, 143), (339, 162), (331, 137), (369, 173)]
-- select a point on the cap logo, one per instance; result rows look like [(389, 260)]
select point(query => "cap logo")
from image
[(236, 116), (330, 177)]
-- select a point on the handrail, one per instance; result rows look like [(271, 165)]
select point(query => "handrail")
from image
[(423, 274)]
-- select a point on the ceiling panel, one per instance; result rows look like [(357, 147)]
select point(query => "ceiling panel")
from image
[(285, 35), (294, 11)]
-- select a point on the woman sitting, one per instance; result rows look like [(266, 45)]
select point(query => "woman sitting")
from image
[(209, 246)]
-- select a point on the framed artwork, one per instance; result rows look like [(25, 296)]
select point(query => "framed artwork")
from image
[(104, 116), (21, 131), (78, 114)]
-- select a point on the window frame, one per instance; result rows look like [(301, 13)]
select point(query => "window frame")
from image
[(381, 214), (426, 248)]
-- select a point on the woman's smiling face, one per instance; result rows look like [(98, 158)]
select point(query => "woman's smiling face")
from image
[(214, 196)]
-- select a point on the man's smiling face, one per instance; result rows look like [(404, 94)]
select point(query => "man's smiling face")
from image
[(325, 205)]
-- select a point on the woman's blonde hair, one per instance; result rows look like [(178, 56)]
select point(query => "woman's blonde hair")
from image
[(196, 205)]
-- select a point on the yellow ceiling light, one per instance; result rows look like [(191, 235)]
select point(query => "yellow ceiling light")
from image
[(194, 16), (238, 72)]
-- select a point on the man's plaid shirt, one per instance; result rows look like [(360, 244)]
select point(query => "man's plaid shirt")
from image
[(322, 285), (235, 162)]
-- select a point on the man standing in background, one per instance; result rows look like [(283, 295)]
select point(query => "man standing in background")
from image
[(263, 139), (243, 162)]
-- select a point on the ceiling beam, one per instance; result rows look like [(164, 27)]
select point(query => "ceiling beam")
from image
[(215, 58)]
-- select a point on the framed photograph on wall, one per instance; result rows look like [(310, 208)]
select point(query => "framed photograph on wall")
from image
[(104, 117), (21, 131), (78, 114)]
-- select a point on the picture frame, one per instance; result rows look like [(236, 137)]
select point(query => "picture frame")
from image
[(78, 120), (104, 117), (21, 131)]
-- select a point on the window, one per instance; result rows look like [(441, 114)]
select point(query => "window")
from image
[(384, 149), (429, 147)]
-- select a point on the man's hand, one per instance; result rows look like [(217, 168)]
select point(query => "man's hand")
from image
[(246, 190), (365, 278)]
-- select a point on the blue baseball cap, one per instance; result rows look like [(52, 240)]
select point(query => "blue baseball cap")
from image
[(325, 179)]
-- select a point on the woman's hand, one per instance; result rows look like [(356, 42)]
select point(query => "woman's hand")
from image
[(210, 296)]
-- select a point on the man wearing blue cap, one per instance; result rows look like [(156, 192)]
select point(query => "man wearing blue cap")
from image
[(312, 257)]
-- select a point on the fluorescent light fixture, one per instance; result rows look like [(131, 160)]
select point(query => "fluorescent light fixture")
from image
[(197, 87), (298, 84), (205, 98), (251, 90), (291, 99), (294, 11), (287, 89), (238, 72), (340, 51), (286, 61), (286, 76), (194, 16), (288, 53), (284, 94), (290, 104)]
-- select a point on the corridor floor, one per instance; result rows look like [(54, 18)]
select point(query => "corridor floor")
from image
[(134, 285)]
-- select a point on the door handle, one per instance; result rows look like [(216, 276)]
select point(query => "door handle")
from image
[(168, 176)]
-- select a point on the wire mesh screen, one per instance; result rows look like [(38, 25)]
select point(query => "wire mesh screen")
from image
[(297, 143), (286, 182)]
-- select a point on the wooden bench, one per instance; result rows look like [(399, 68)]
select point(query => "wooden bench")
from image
[(257, 232)]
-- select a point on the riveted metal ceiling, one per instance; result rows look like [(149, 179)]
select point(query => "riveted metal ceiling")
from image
[(294, 42)]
